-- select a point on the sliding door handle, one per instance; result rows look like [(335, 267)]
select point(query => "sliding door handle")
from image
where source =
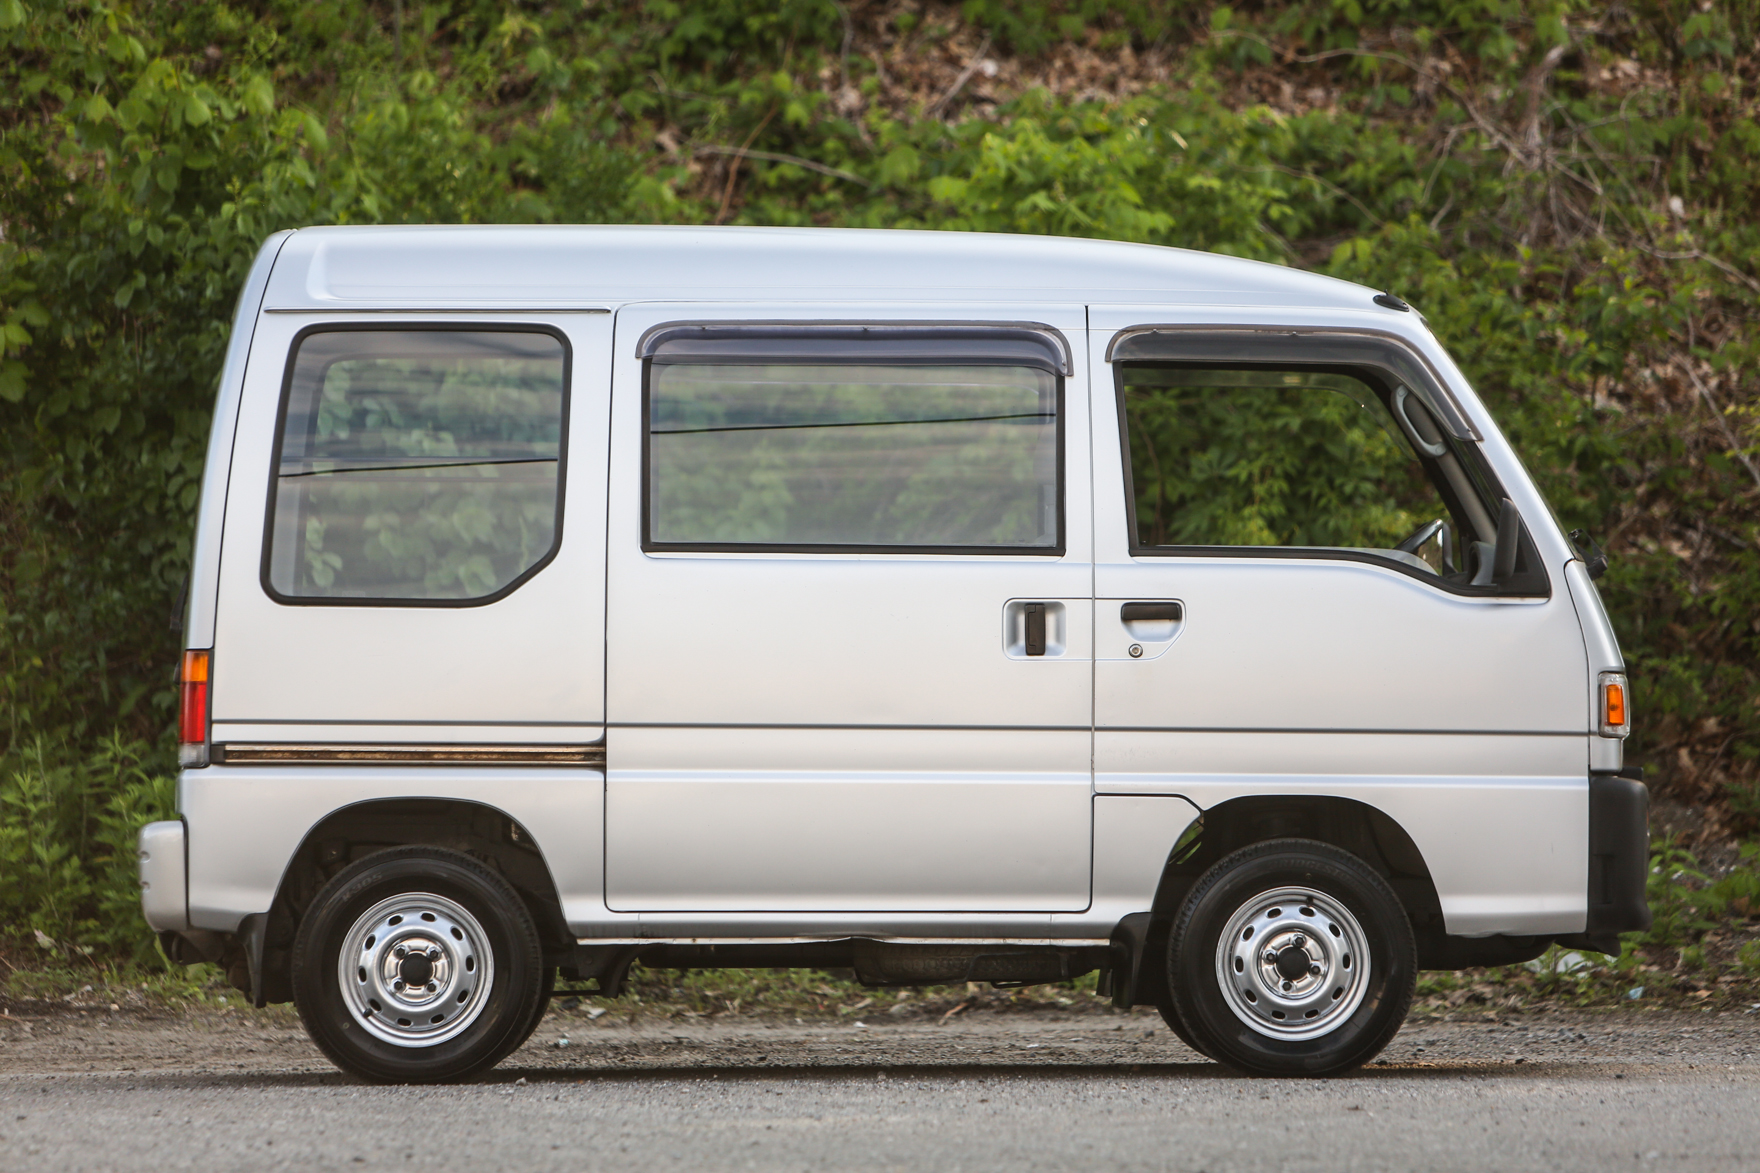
[(1140, 612), (1034, 614)]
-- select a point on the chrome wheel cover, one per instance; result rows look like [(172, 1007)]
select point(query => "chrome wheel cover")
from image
[(415, 969), (1293, 964)]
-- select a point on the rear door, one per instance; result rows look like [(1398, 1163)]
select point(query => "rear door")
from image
[(414, 537), (849, 574)]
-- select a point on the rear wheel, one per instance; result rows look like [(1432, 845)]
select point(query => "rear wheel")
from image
[(1291, 957), (546, 989), (417, 965)]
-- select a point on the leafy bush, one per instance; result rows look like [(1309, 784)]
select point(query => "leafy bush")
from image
[(68, 826)]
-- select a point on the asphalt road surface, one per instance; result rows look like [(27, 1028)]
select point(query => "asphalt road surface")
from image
[(1543, 1092)]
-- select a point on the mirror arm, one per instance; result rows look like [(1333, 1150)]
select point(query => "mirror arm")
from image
[(1509, 530)]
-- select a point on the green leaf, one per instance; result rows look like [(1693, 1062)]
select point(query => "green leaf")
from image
[(314, 131), (12, 381), (259, 95), (12, 14), (900, 166), (195, 111), (947, 189)]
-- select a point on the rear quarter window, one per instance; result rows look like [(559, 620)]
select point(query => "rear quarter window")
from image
[(417, 466)]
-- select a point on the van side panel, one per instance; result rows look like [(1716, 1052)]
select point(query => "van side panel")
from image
[(1133, 836), (883, 822), (525, 668), (246, 822), (1501, 824)]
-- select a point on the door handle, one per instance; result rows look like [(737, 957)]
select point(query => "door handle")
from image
[(1139, 612), (1034, 614)]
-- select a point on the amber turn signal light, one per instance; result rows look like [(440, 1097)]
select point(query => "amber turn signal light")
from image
[(1616, 718)]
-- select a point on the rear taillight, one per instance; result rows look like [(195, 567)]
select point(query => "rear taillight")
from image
[(192, 710), (1616, 711)]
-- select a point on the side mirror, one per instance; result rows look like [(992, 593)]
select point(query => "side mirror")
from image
[(1593, 556)]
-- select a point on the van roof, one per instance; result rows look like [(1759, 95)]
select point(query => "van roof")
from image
[(581, 267)]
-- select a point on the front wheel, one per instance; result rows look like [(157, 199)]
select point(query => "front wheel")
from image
[(1292, 958), (417, 965)]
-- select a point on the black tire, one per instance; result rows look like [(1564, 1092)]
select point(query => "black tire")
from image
[(546, 988), (456, 923), (1299, 917), (1170, 1015)]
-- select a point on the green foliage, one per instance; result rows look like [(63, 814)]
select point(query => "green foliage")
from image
[(1094, 171), (68, 826), (1034, 26), (719, 32), (1687, 903)]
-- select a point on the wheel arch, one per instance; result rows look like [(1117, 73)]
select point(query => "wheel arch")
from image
[(1353, 826), (261, 966)]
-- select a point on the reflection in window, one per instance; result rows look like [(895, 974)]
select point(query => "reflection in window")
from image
[(1271, 458), (417, 464), (852, 455)]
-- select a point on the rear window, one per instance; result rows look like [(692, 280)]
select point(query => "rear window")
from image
[(417, 466), (860, 455)]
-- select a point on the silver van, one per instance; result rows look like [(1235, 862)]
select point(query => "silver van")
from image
[(946, 607)]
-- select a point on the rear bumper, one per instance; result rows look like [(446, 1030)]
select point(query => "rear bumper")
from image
[(164, 877)]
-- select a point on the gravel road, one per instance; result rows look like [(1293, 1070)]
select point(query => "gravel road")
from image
[(1542, 1091)]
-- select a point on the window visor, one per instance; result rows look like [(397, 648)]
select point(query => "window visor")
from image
[(1352, 348), (1014, 344)]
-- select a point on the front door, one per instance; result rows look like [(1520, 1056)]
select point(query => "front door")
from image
[(849, 617), (1295, 595)]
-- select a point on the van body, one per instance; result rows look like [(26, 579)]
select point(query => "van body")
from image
[(947, 606)]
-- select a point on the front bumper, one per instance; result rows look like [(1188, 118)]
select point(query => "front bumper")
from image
[(1619, 859), (1619, 852)]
